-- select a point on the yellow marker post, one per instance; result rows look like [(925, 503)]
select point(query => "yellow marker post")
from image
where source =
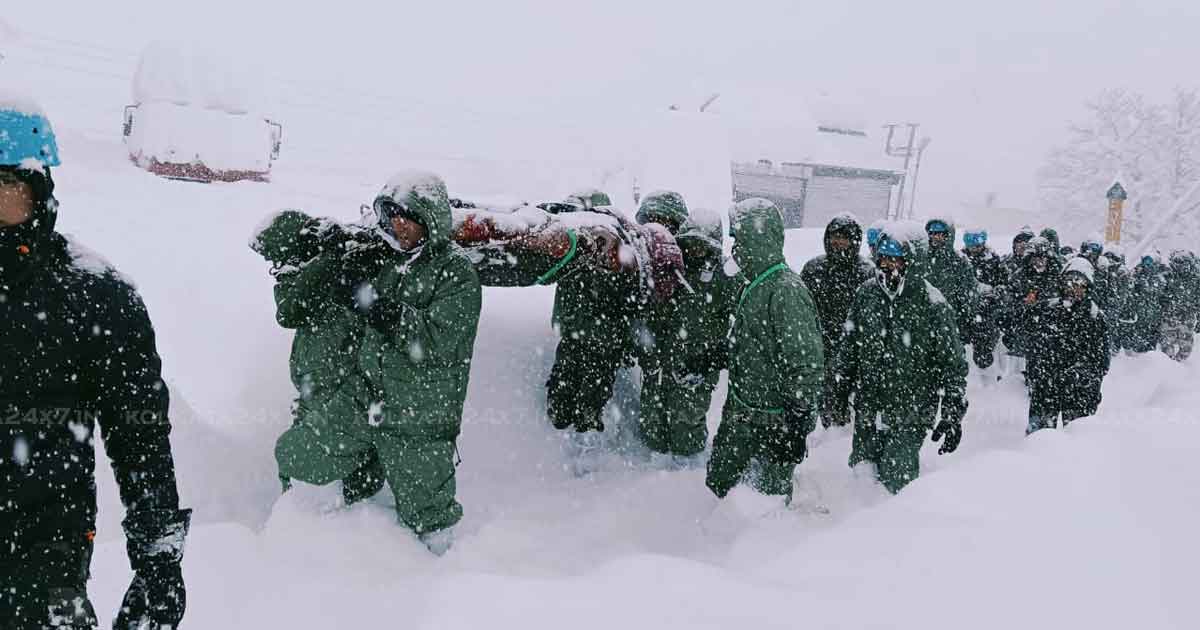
[(1116, 206)]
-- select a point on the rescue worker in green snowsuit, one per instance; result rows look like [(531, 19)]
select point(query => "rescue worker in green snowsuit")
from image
[(318, 268), (594, 311), (901, 359), (776, 362), (952, 274), (686, 332), (396, 412)]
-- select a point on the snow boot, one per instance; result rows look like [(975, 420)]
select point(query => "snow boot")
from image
[(439, 541)]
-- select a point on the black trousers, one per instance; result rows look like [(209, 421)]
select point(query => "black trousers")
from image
[(45, 561)]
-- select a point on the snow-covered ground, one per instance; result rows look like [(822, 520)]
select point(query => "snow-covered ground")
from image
[(1088, 527)]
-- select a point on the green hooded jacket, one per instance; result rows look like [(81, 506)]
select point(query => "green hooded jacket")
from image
[(418, 362), (954, 276), (690, 327), (901, 354), (309, 275), (776, 356)]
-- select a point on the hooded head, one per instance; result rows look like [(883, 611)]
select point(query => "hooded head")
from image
[(1051, 234), (1039, 254), (700, 238), (756, 226), (893, 258), (1021, 241), (665, 208), (843, 230), (1077, 279), (28, 149), (975, 239), (1091, 249), (419, 196), (941, 235), (1182, 262), (589, 198)]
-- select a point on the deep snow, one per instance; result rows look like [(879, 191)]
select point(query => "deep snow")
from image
[(1088, 527)]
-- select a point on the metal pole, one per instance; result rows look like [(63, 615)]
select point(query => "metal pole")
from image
[(912, 198), (912, 136)]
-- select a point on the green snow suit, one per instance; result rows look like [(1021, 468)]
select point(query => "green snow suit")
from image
[(415, 359), (681, 364), (776, 362), (594, 311), (900, 359)]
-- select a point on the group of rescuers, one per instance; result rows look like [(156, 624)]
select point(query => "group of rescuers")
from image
[(877, 344)]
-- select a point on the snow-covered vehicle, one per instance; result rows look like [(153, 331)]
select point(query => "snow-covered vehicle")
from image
[(194, 118)]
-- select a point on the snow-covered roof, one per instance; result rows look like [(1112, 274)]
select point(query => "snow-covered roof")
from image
[(191, 74)]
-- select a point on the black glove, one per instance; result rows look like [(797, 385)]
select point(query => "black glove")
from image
[(952, 430), (983, 360), (384, 315), (791, 445), (156, 598)]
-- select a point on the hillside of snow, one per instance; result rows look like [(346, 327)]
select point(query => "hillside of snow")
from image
[(1093, 526)]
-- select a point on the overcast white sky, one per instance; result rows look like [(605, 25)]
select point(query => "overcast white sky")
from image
[(993, 83)]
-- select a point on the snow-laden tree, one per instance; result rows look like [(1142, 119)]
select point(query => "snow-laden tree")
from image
[(1153, 149)]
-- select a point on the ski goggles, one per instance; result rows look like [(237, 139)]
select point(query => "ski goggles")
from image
[(975, 239), (873, 236), (890, 247), (1092, 248), (934, 227)]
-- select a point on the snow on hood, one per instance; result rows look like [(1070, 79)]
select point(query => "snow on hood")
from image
[(1081, 266), (88, 260)]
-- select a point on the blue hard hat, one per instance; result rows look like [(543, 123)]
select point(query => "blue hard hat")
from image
[(873, 236), (26, 136), (937, 225), (889, 246), (976, 238)]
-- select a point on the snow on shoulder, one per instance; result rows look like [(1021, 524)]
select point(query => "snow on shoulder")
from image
[(935, 294), (89, 261)]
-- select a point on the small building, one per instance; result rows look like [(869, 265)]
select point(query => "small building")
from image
[(835, 170)]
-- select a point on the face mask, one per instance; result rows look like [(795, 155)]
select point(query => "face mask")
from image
[(1040, 264)]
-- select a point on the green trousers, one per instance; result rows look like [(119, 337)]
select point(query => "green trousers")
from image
[(740, 453), (674, 417), (420, 471), (893, 446)]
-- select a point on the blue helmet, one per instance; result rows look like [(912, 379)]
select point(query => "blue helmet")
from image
[(889, 246), (975, 238), (873, 236), (26, 136), (1091, 246), (936, 225)]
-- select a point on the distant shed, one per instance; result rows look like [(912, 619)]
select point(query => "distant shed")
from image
[(837, 171)]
